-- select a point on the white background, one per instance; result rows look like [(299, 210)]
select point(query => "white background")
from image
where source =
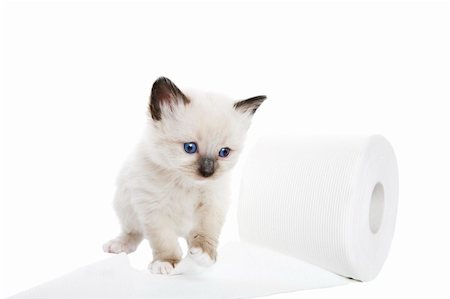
[(76, 79)]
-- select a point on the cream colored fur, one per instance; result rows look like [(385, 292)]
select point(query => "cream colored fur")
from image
[(160, 194)]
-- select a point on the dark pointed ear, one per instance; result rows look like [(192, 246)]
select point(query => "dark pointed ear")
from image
[(249, 105), (165, 93)]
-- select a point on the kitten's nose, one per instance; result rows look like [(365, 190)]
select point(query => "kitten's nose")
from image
[(206, 168)]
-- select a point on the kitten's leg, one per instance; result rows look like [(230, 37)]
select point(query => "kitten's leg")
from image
[(125, 242), (166, 249), (131, 236), (203, 239)]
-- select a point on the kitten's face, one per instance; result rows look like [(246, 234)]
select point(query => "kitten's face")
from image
[(199, 135)]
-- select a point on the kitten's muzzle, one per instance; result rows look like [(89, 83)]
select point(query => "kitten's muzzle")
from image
[(206, 167)]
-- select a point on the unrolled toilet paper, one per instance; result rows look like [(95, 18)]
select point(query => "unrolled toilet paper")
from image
[(312, 211)]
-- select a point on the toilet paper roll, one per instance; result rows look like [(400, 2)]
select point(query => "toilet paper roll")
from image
[(329, 201)]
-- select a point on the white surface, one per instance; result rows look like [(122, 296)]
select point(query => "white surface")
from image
[(310, 197), (261, 273), (75, 79)]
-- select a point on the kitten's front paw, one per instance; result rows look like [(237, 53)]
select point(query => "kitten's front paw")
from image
[(202, 249), (161, 267), (200, 257), (118, 246)]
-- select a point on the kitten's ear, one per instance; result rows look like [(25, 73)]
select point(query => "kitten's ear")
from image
[(249, 105), (165, 93)]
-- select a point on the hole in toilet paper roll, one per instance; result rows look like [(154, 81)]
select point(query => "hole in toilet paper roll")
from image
[(376, 208)]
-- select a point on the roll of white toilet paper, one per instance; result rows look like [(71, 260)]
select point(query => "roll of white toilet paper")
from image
[(329, 201)]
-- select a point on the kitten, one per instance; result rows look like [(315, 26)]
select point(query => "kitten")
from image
[(176, 183)]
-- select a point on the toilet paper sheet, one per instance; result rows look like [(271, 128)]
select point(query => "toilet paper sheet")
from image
[(312, 211), (243, 271)]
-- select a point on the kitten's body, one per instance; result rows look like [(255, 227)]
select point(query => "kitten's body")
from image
[(164, 192)]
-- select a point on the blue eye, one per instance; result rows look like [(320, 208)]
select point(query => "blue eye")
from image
[(190, 147), (224, 151)]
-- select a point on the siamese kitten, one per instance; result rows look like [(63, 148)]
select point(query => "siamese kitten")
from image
[(176, 182)]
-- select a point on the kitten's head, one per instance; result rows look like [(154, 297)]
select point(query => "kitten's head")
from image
[(199, 135)]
